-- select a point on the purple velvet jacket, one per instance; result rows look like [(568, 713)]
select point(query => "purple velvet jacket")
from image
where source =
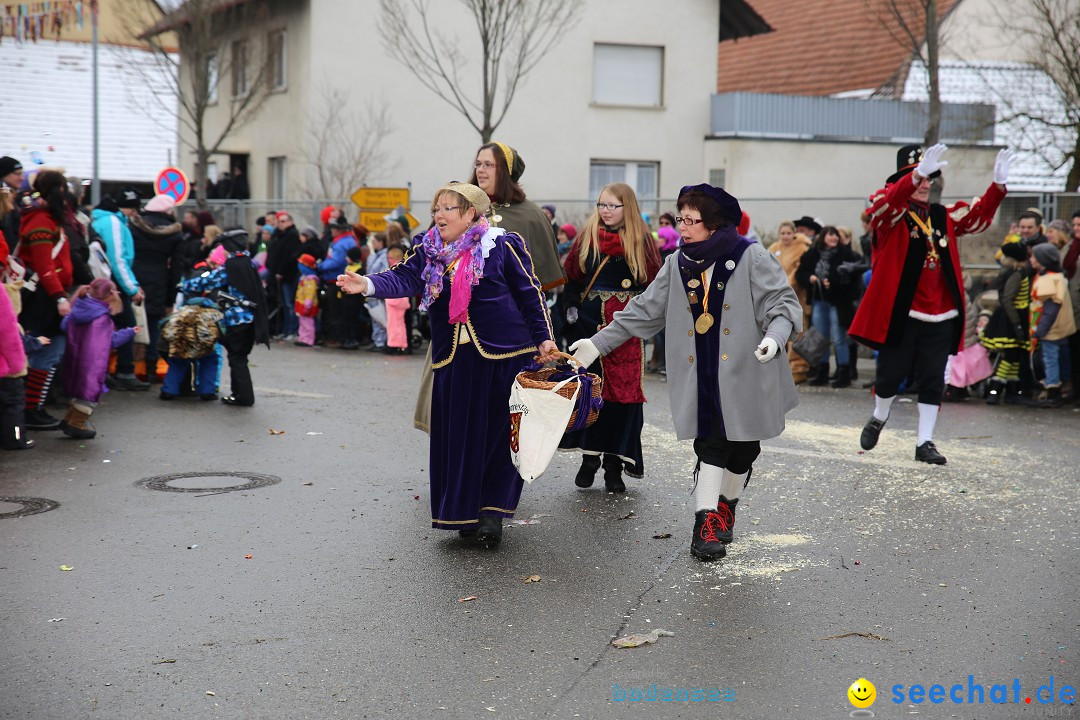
[(508, 315), (90, 337)]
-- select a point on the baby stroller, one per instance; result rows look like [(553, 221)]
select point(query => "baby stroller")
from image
[(416, 321)]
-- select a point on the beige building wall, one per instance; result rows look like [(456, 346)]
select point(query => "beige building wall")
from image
[(552, 122), (985, 31), (826, 180)]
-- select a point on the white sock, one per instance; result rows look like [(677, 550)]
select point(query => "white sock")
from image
[(881, 407), (708, 487), (927, 419), (732, 484)]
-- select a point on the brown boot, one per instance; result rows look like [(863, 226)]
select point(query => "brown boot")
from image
[(76, 424)]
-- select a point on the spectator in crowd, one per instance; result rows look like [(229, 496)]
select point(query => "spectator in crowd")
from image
[(43, 250), (397, 333), (330, 268), (352, 308), (327, 216), (11, 181), (13, 347), (1052, 319), (789, 248), (1006, 333), (110, 222), (307, 299), (238, 286), (1058, 233), (90, 337), (832, 296), (377, 262), (1029, 225), (612, 261), (158, 266), (1070, 258), (190, 337), (240, 189), (565, 236), (284, 267), (549, 211), (808, 226)]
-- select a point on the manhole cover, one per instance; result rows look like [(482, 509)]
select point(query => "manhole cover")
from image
[(254, 480), (30, 506)]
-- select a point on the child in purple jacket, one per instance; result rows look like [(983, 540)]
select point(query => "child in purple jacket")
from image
[(90, 338)]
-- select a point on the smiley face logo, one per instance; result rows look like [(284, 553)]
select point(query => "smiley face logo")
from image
[(862, 693)]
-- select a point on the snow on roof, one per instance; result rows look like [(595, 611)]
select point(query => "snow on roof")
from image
[(1013, 88), (47, 106)]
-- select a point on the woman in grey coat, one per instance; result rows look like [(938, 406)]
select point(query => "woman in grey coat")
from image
[(728, 310)]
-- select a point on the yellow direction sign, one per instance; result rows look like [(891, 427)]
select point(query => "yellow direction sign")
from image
[(375, 221), (379, 198)]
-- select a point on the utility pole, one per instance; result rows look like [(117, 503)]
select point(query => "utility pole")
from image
[(95, 182)]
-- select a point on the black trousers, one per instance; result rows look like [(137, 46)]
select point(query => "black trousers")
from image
[(238, 342), (12, 402), (733, 455), (923, 350), (125, 354)]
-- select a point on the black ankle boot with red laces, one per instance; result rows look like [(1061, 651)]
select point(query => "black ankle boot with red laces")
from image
[(726, 510), (706, 544)]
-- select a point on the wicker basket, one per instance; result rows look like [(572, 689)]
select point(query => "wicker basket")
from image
[(538, 379)]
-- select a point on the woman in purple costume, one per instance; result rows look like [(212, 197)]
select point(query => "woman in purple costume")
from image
[(488, 318)]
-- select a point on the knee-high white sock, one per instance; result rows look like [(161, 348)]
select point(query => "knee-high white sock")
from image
[(708, 487), (927, 419), (881, 407), (732, 484)]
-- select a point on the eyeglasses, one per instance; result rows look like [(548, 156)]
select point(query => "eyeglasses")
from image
[(481, 164), (445, 209), (688, 222), (607, 206)]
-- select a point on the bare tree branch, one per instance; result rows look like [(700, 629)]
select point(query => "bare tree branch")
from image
[(513, 37)]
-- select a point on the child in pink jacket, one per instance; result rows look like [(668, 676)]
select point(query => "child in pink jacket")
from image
[(397, 334)]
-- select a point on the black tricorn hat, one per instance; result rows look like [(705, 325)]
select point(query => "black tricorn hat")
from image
[(907, 159)]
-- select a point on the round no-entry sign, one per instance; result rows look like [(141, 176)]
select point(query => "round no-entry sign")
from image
[(174, 183)]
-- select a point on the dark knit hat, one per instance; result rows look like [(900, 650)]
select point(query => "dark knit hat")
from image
[(108, 205), (550, 208), (9, 165), (129, 198), (1016, 251), (1048, 256)]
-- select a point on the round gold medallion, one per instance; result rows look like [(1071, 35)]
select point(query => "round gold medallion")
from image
[(496, 218), (693, 283), (626, 283), (943, 242), (703, 323)]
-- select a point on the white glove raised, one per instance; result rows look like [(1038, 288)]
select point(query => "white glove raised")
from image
[(931, 160), (585, 352), (1001, 166), (767, 350)]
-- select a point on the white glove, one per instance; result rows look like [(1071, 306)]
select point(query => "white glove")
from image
[(931, 160), (767, 350), (585, 352), (1001, 166)]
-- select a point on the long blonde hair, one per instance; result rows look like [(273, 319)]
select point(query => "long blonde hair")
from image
[(633, 233)]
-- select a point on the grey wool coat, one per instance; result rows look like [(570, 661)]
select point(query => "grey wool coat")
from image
[(758, 300)]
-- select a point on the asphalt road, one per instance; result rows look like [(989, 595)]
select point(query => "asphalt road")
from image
[(845, 565)]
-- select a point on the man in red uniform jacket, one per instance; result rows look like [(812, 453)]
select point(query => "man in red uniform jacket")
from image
[(913, 309)]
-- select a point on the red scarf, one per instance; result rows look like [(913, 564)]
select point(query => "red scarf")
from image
[(610, 242)]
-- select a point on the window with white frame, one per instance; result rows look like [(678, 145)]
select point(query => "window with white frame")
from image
[(276, 55), (240, 71), (631, 75), (212, 78), (644, 177), (277, 178)]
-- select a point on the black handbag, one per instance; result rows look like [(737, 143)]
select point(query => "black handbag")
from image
[(811, 345)]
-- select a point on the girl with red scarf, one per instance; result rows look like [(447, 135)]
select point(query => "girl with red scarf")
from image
[(612, 261)]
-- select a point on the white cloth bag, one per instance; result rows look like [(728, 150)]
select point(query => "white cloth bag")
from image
[(538, 421)]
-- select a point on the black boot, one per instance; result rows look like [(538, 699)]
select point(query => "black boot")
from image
[(994, 391), (821, 375), (613, 466), (1053, 398), (706, 544), (1014, 395), (843, 377), (726, 510), (586, 474), (489, 529), (38, 419)]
